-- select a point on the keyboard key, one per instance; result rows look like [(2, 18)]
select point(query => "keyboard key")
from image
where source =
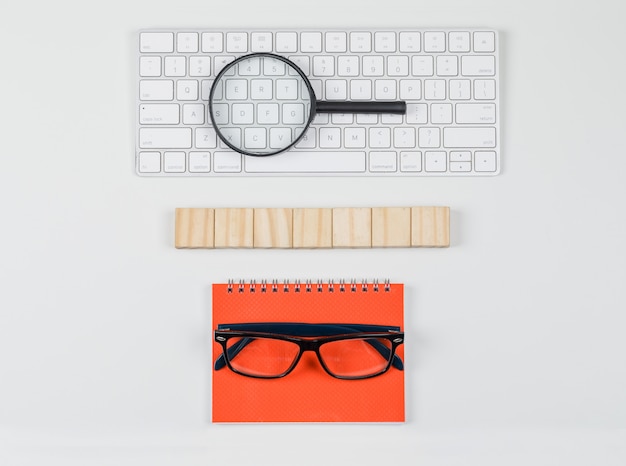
[(149, 162), (187, 89), (354, 138), (434, 42), (199, 66), (159, 114), (410, 42), (287, 89), (360, 42), (447, 65), (411, 161), (417, 114), (422, 66), (274, 68), (280, 137), (174, 162), (336, 89), (441, 114), (308, 140), (475, 113), (410, 89), (323, 65), (429, 137), (165, 138), (434, 89), (459, 41), (398, 65), (385, 89), (311, 42), (243, 114), (212, 42), (156, 90), (206, 138), (227, 162), (485, 161), (336, 42), (460, 156), (478, 65), (236, 89), (373, 66), (330, 138), (150, 66), (255, 138), (175, 66), (261, 42), (293, 114), (460, 89), (199, 162), (484, 42), (348, 66), (342, 118), (261, 89), (205, 90), (250, 67), (360, 89), (380, 137), (155, 42), (237, 42), (267, 114), (232, 136), (220, 114), (309, 162), (435, 161), (286, 42), (484, 89), (404, 137), (220, 63), (187, 42), (301, 62), (383, 162), (385, 42), (391, 119), (460, 166), (469, 137)]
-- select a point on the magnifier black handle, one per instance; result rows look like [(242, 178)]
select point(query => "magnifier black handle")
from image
[(395, 107)]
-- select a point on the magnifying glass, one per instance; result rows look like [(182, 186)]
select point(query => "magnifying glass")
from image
[(262, 104)]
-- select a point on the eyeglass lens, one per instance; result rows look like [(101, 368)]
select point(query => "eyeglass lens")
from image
[(268, 357)]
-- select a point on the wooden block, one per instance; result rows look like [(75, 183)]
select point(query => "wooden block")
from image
[(312, 228), (195, 228), (430, 227), (391, 227), (352, 227), (234, 228), (273, 228)]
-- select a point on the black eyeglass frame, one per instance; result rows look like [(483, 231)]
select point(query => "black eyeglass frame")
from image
[(308, 343)]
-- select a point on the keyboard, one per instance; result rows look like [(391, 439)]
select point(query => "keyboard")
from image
[(449, 80)]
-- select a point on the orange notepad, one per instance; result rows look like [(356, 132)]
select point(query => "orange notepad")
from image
[(308, 394)]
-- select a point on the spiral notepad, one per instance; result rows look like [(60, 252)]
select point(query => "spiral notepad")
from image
[(308, 393)]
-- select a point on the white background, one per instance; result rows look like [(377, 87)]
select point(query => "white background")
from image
[(515, 334)]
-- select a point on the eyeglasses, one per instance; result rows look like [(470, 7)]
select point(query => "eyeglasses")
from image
[(271, 350)]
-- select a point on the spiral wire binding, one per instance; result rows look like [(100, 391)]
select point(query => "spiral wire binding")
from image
[(308, 286)]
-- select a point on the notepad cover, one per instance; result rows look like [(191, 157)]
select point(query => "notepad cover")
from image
[(308, 394)]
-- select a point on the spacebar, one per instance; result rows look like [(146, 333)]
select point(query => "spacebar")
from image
[(307, 162)]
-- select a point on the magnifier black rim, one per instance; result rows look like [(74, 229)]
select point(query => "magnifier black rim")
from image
[(288, 63)]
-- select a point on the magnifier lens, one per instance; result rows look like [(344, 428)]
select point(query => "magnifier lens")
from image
[(260, 105)]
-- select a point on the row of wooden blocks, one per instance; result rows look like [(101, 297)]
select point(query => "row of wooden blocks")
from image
[(360, 227)]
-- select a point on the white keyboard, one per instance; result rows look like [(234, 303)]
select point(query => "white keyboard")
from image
[(448, 78)]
